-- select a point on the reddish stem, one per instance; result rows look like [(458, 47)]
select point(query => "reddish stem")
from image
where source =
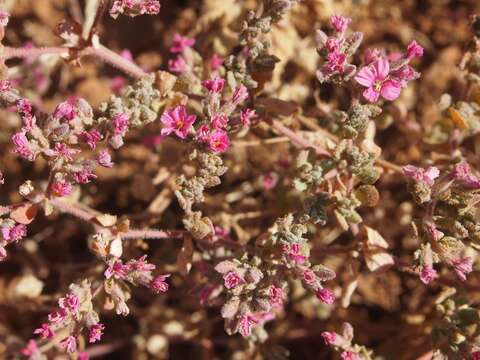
[(152, 234)]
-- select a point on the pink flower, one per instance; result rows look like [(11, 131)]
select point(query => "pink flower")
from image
[(22, 146), (181, 43), (30, 349), (325, 295), (91, 138), (203, 133), (375, 78), (276, 295), (57, 317), (177, 65), (245, 325), (462, 173), (270, 180), (219, 121), (463, 267), (246, 116), (159, 285), (95, 333), (4, 17), (329, 337), (120, 124), (61, 150), (336, 61), (141, 264), (83, 356), (371, 55), (105, 159), (24, 107), (214, 85), (340, 23), (427, 274), (83, 176), (240, 94), (69, 303), (433, 232), (426, 176), (414, 50), (45, 331), (64, 110), (349, 355), (309, 277), (14, 233), (151, 7), (232, 280), (117, 270), (62, 188), (218, 141), (333, 44), (215, 62), (177, 120), (69, 343), (295, 255)]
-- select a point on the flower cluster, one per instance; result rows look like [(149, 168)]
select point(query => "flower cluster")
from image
[(134, 7)]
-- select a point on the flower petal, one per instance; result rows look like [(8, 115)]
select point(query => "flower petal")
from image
[(371, 95), (382, 68), (365, 77), (391, 90)]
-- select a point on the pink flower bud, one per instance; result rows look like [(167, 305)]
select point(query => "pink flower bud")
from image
[(428, 274), (349, 355), (340, 23), (463, 267), (329, 337), (95, 333), (45, 331), (159, 285), (62, 188), (181, 43), (232, 280), (325, 295), (69, 343), (218, 141), (214, 85), (104, 159), (414, 50)]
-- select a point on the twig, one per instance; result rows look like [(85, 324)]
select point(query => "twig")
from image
[(152, 234)]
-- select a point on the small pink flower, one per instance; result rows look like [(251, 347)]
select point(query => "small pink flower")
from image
[(69, 343), (203, 133), (336, 61), (240, 94), (294, 253), (45, 331), (219, 121), (70, 303), (350, 355), (181, 43), (427, 274), (83, 176), (371, 55), (83, 356), (276, 295), (414, 50), (159, 284), (65, 111), (245, 325), (14, 233), (215, 62), (270, 180), (24, 107), (218, 141), (246, 116), (329, 337), (150, 7), (61, 150), (177, 65), (62, 188), (91, 138), (4, 17), (333, 44), (462, 173), (340, 23), (375, 78), (214, 85), (104, 159), (177, 120), (117, 270), (95, 333), (22, 146), (325, 295), (232, 280), (57, 317), (427, 176), (309, 277), (433, 232), (120, 124), (141, 264), (463, 267), (30, 349)]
